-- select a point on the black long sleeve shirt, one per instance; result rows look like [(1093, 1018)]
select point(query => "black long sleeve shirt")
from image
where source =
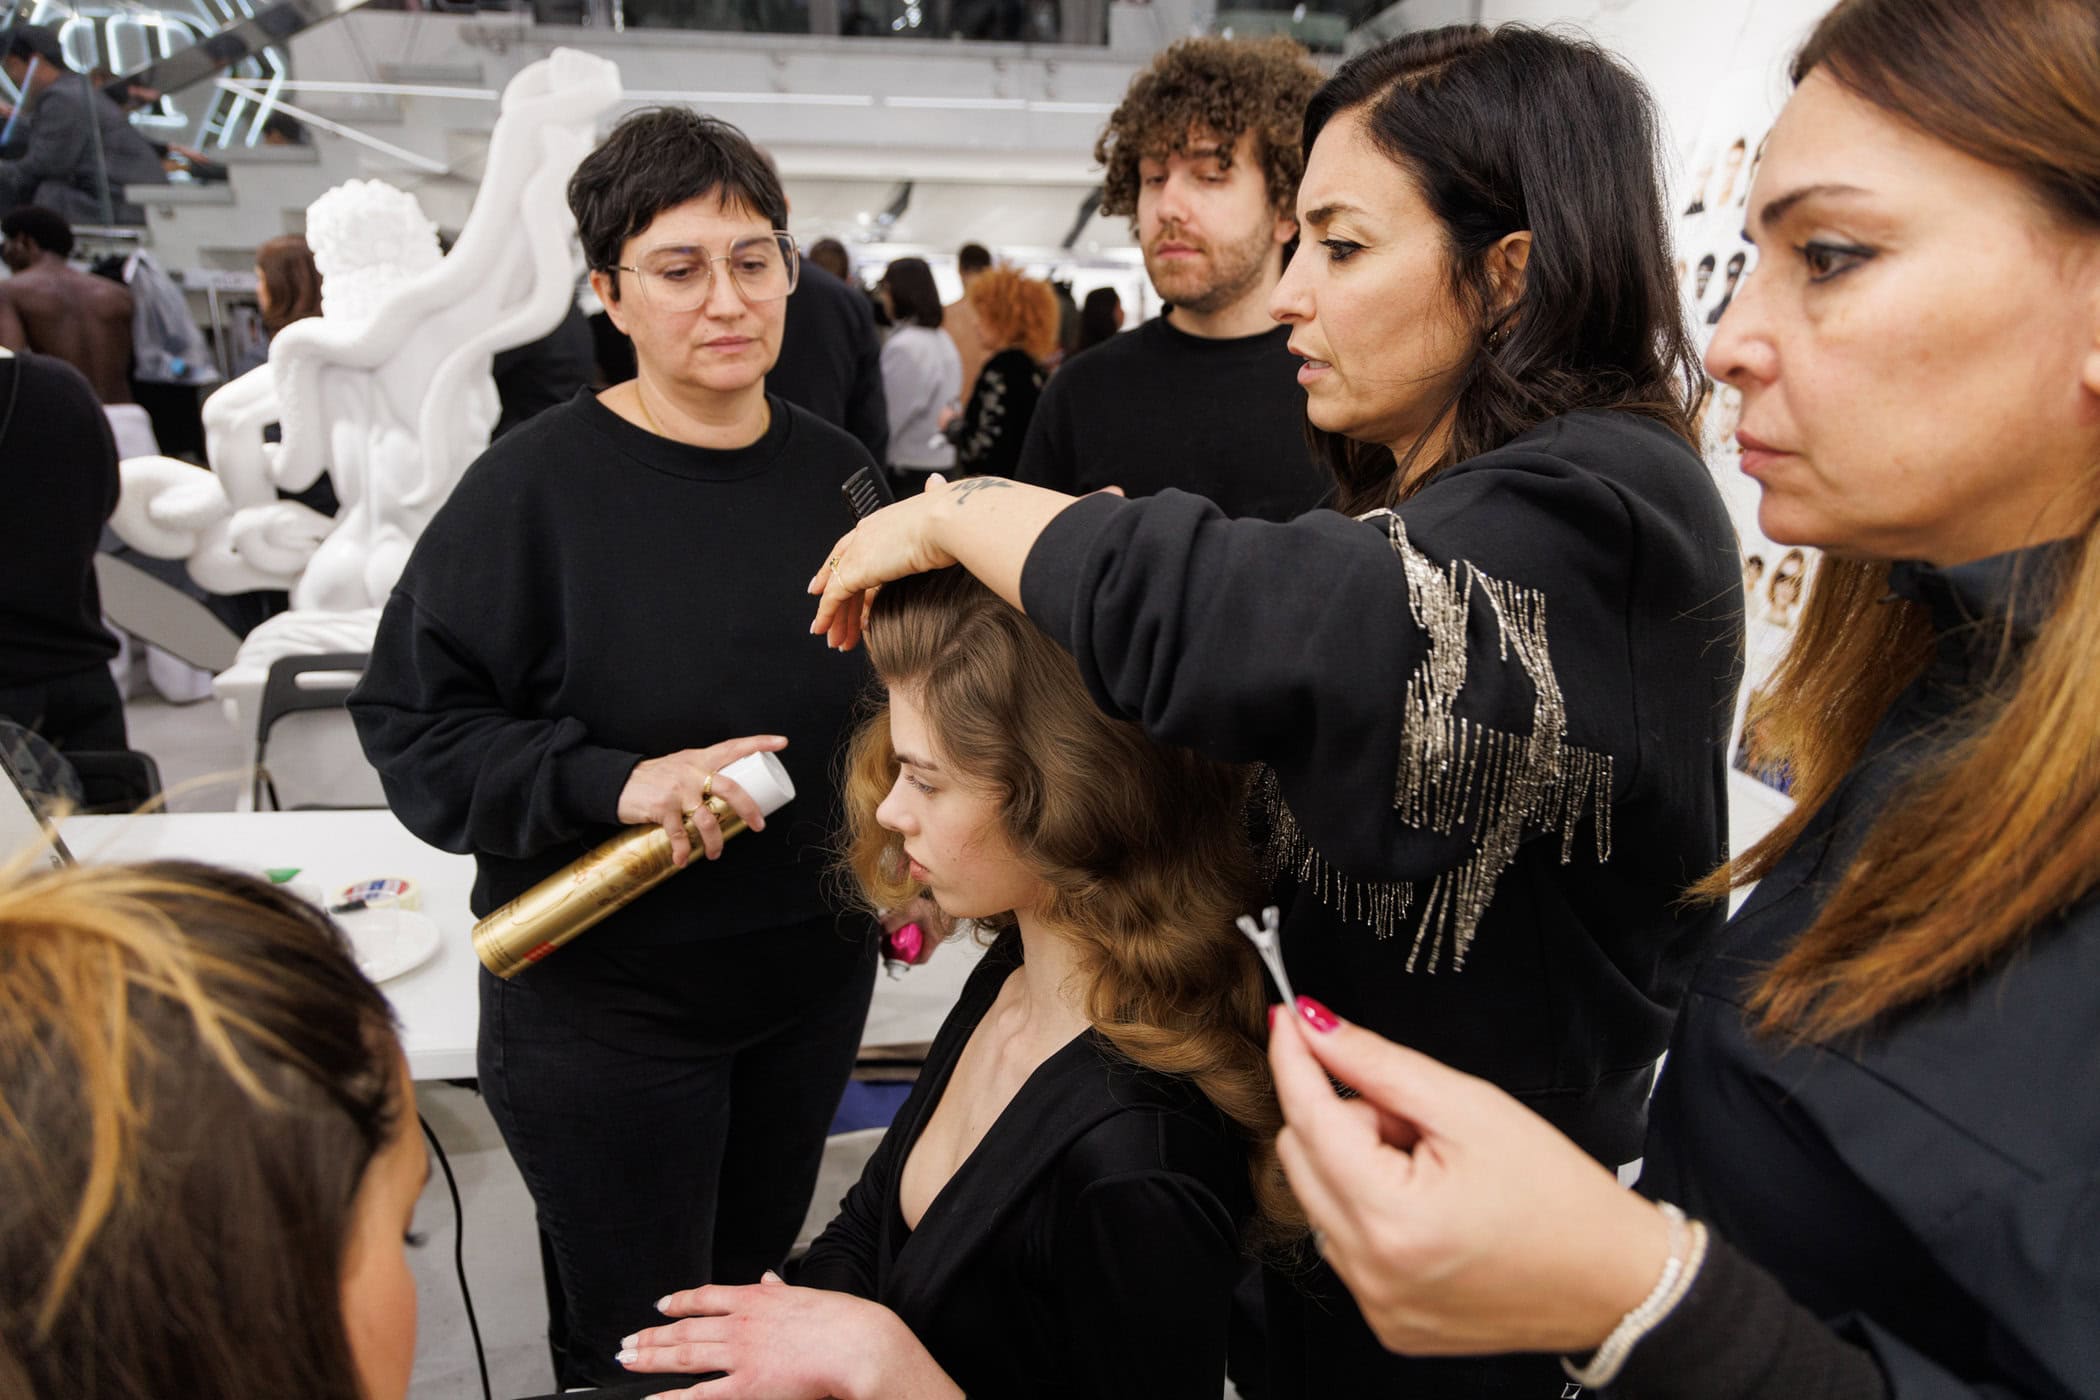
[(831, 359), (1495, 723), (592, 595), (1916, 1208), (58, 474), (1157, 407), (1088, 1246)]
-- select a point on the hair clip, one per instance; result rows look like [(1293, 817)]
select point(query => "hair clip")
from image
[(1267, 940)]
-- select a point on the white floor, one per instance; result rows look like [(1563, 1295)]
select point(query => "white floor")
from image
[(199, 757)]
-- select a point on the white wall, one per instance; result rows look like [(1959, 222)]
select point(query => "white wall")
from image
[(1683, 49)]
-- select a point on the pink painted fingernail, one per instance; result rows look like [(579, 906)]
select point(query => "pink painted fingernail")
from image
[(1316, 1015), (907, 943), (1275, 1009), (627, 1357)]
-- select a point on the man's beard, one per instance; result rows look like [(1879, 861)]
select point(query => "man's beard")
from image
[(1221, 278)]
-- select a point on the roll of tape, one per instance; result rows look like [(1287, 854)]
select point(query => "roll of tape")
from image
[(389, 891)]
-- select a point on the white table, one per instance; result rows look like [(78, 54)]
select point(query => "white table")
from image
[(438, 1003)]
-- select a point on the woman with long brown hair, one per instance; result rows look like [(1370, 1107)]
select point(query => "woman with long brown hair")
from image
[(1877, 1130), (1061, 1206), (287, 282), (1493, 711), (208, 1150)]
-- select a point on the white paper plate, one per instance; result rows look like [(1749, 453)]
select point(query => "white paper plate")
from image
[(389, 942)]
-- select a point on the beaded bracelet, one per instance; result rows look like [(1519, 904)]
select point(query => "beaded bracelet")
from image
[(1687, 1253)]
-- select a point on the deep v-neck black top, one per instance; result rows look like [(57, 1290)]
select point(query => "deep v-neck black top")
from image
[(1087, 1246)]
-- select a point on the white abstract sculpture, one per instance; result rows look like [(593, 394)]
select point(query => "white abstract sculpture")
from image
[(388, 390)]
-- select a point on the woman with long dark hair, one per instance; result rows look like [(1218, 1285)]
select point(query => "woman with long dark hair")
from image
[(1878, 1111), (1062, 1204), (1493, 712)]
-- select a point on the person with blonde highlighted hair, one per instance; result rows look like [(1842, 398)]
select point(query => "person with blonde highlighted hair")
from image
[(209, 1157)]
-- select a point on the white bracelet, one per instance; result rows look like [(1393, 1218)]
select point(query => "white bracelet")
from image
[(1687, 1253)]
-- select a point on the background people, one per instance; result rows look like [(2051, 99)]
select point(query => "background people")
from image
[(1203, 153), (594, 624), (1478, 847), (192, 1146), (56, 309), (1889, 1203), (1016, 318), (921, 374), (959, 318), (831, 359), (79, 150), (1099, 1082), (1100, 318), (287, 282)]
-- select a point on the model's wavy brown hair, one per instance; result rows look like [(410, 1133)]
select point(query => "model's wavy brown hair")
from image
[(2002, 832), (194, 1077), (1141, 845), (1211, 88), (1015, 310)]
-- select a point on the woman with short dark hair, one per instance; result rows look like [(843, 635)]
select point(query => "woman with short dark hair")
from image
[(1493, 711), (603, 602), (921, 372)]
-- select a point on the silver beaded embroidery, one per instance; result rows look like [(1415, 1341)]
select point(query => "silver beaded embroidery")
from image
[(1454, 772)]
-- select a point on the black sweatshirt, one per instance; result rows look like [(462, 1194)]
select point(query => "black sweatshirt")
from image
[(58, 475), (1435, 832), (1917, 1207), (1157, 408), (592, 595), (831, 359)]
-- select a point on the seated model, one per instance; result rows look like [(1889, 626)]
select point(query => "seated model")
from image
[(1065, 1201)]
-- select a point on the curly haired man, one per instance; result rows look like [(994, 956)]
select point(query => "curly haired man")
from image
[(1203, 154)]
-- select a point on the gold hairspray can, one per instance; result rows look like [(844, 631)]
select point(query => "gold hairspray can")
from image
[(610, 876)]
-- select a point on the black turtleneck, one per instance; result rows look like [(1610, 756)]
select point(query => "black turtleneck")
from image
[(1912, 1211), (592, 595)]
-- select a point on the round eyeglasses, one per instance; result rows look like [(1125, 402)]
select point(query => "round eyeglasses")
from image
[(764, 267)]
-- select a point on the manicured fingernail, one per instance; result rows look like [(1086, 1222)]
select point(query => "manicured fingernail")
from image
[(631, 1342), (1316, 1015), (663, 1305), (1274, 1008), (627, 1357)]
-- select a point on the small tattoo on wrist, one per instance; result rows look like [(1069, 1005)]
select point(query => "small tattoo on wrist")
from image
[(967, 489)]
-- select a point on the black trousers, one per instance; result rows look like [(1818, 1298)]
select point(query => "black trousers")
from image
[(80, 712), (658, 1160)]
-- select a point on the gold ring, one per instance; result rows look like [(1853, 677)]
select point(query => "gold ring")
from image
[(707, 787), (834, 565)]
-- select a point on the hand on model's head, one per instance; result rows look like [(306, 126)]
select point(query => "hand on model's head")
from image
[(672, 792), (1461, 1221), (890, 544)]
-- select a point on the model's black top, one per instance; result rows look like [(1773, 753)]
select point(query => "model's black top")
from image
[(995, 418), (58, 475), (1087, 1246), (1157, 407), (1930, 1190), (1481, 843), (592, 595), (545, 373), (831, 358)]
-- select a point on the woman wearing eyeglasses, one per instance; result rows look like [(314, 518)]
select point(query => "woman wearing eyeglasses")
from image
[(596, 622)]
